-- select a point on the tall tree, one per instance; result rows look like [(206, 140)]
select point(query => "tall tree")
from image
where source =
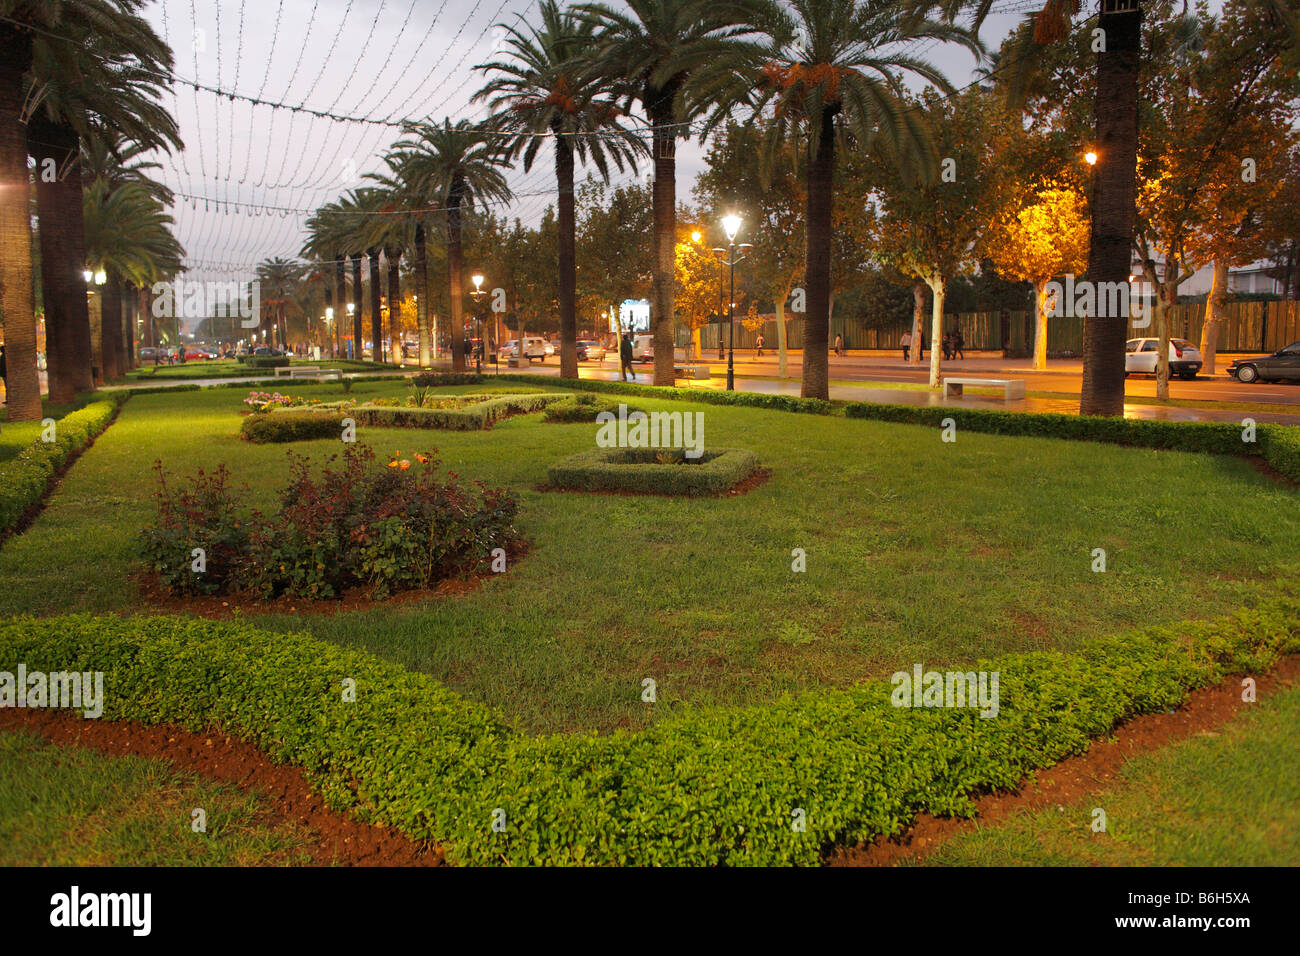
[(457, 167), (830, 77), (672, 57), (543, 89)]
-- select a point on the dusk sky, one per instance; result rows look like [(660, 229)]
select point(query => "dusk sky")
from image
[(250, 174)]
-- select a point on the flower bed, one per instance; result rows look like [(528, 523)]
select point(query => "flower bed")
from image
[(654, 471)]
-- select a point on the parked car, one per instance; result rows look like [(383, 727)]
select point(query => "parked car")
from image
[(1282, 365), (148, 354), (643, 348), (534, 348), (268, 350), (589, 350), (1140, 357)]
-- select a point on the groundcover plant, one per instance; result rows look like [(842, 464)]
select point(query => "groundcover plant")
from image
[(403, 462)]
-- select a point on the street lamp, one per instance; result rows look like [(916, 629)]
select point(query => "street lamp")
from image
[(477, 296), (1090, 157), (729, 257)]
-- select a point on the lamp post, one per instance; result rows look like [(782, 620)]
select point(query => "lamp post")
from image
[(729, 257), (329, 325), (356, 346), (477, 296)]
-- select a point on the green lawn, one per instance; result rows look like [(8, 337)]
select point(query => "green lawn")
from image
[(1231, 798), (15, 436), (917, 551), (69, 806)]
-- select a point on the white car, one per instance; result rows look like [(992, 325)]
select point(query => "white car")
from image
[(534, 348), (643, 348), (1140, 357)]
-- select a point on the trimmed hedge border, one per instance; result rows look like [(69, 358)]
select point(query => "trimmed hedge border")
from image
[(469, 418), (784, 403), (637, 471), (25, 478), (581, 408), (1279, 445), (708, 786), (292, 425)]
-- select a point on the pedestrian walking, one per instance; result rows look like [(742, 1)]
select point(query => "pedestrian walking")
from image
[(839, 344), (907, 344), (625, 357), (959, 345), (759, 343), (946, 345)]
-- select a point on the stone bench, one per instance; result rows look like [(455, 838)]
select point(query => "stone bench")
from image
[(308, 371), (697, 372), (1011, 387)]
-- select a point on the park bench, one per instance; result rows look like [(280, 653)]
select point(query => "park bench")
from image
[(308, 371), (1011, 387)]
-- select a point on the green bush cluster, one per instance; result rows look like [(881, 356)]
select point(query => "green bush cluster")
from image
[(267, 361), (783, 403), (25, 477), (707, 786), (468, 418), (292, 425), (440, 379), (653, 471), (1279, 445), (582, 407)]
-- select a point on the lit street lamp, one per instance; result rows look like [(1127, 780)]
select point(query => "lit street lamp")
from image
[(729, 257), (477, 296)]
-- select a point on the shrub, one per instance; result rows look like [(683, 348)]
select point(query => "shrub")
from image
[(25, 478), (708, 786), (582, 407), (438, 379), (292, 425), (784, 403), (268, 361), (395, 528), (1280, 446), (470, 417), (201, 516), (653, 471)]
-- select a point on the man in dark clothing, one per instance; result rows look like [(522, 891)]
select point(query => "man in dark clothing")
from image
[(958, 345), (625, 357)]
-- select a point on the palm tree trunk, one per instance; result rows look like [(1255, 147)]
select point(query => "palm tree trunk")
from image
[(111, 327), (395, 305), (340, 294), (63, 255), (817, 320), (664, 202), (1110, 251), (422, 300), (568, 260), (376, 317), (456, 304), (17, 303), (358, 330)]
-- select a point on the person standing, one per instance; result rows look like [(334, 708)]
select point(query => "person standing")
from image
[(959, 345), (907, 343), (839, 344), (625, 357), (759, 343)]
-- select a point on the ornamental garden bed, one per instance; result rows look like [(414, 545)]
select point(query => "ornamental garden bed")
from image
[(654, 471)]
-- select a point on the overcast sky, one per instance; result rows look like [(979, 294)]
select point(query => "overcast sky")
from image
[(250, 174)]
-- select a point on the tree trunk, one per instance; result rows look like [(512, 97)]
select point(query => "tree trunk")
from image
[(63, 259), (1040, 325), (340, 295), (111, 327), (422, 293), (17, 303), (358, 322), (568, 278), (455, 293), (376, 305), (780, 334), (664, 200), (918, 322), (395, 306), (1166, 297), (1216, 308), (817, 320), (939, 286), (1113, 207)]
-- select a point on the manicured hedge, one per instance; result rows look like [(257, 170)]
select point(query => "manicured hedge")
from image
[(784, 403), (470, 417), (1279, 445), (706, 786), (268, 361), (25, 477), (292, 425), (583, 407), (638, 470)]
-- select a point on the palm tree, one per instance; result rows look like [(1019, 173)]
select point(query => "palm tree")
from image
[(128, 236), (454, 166), (831, 71), (80, 82), (545, 90), (280, 280), (327, 243), (406, 232), (666, 55)]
